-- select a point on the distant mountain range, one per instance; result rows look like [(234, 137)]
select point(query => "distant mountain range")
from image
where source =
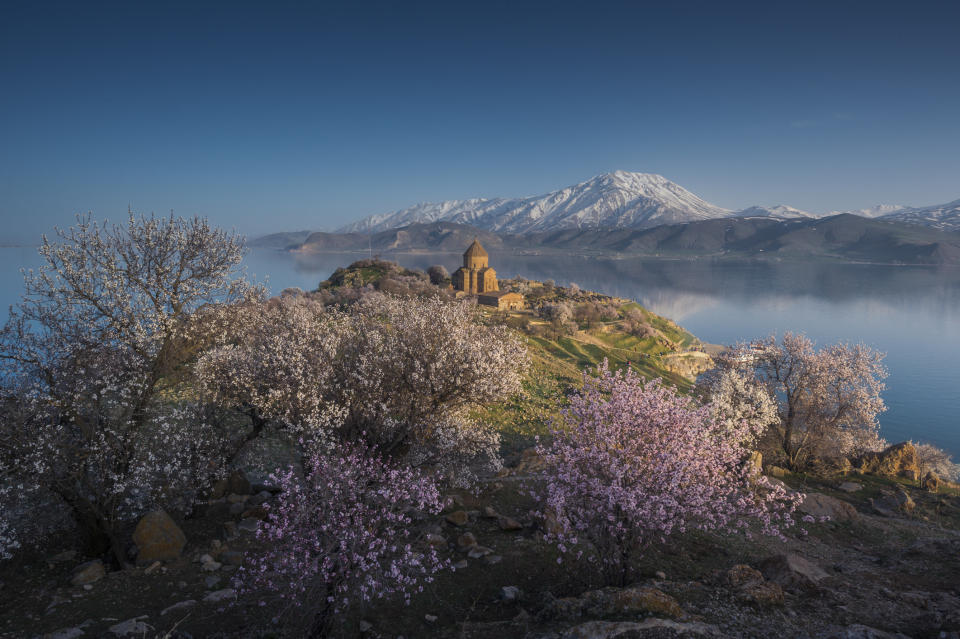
[(843, 237), (619, 200)]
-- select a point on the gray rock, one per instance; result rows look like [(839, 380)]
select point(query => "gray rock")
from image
[(131, 627), (88, 573), (631, 629), (509, 594), (820, 505), (180, 605), (211, 581), (479, 551), (460, 565), (237, 509), (493, 559), (249, 525), (850, 486), (221, 595), (238, 483), (211, 566), (792, 571), (65, 633)]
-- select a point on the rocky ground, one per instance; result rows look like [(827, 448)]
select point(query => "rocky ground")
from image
[(886, 564)]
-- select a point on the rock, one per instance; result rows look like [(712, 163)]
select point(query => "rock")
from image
[(777, 471), (237, 509), (88, 573), (218, 510), (66, 555), (232, 557), (509, 594), (204, 559), (490, 513), (820, 505), (180, 605), (257, 512), (249, 525), (509, 524), (743, 575), (219, 489), (365, 626), (466, 541), (850, 486), (238, 483), (458, 518), (859, 631), (530, 461), (479, 551), (65, 633), (493, 559), (891, 461), (551, 522), (633, 630), (430, 618), (153, 568), (616, 601), (910, 474), (931, 482), (220, 595), (211, 566), (261, 497), (660, 574), (460, 565), (158, 538), (211, 581), (131, 627), (890, 503), (234, 498), (437, 541), (792, 571), (230, 529)]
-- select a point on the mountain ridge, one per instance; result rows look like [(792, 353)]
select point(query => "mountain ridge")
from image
[(620, 199)]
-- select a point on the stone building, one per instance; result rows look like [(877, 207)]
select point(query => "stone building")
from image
[(502, 300), (475, 276)]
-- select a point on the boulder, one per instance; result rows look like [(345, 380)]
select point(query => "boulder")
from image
[(850, 486), (819, 505), (131, 627), (632, 629), (792, 572), (931, 482), (890, 503), (238, 483), (752, 588), (777, 471), (509, 524), (158, 538), (88, 573), (458, 518), (180, 605), (490, 513), (221, 595), (466, 541), (891, 461), (509, 594), (437, 541)]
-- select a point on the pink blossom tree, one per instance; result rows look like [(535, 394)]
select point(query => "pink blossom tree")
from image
[(631, 463), (343, 534)]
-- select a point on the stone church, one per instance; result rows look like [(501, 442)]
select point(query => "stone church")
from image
[(475, 276)]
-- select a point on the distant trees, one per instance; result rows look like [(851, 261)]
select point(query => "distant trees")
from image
[(342, 534), (827, 399), (931, 459), (438, 275), (631, 462), (94, 353)]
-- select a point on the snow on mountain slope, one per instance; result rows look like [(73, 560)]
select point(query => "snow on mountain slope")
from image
[(778, 212), (945, 217), (618, 200)]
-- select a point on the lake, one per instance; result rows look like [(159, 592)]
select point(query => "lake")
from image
[(911, 313)]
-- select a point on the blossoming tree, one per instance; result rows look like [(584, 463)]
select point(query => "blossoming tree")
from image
[(93, 356), (631, 463), (341, 534)]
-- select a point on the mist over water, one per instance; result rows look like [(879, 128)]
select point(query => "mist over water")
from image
[(911, 313)]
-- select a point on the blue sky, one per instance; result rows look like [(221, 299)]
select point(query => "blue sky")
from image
[(277, 116)]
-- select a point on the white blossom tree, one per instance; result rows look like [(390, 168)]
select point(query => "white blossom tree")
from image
[(94, 353)]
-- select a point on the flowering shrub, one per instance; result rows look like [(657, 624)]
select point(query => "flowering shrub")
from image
[(93, 354), (828, 399), (397, 373), (343, 534), (630, 463)]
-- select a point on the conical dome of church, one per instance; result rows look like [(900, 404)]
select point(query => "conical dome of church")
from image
[(475, 250)]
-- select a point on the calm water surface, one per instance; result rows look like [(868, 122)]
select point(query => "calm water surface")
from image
[(911, 313)]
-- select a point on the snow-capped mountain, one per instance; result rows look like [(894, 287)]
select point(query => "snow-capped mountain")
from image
[(619, 200), (612, 200), (945, 217), (778, 212), (880, 210)]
